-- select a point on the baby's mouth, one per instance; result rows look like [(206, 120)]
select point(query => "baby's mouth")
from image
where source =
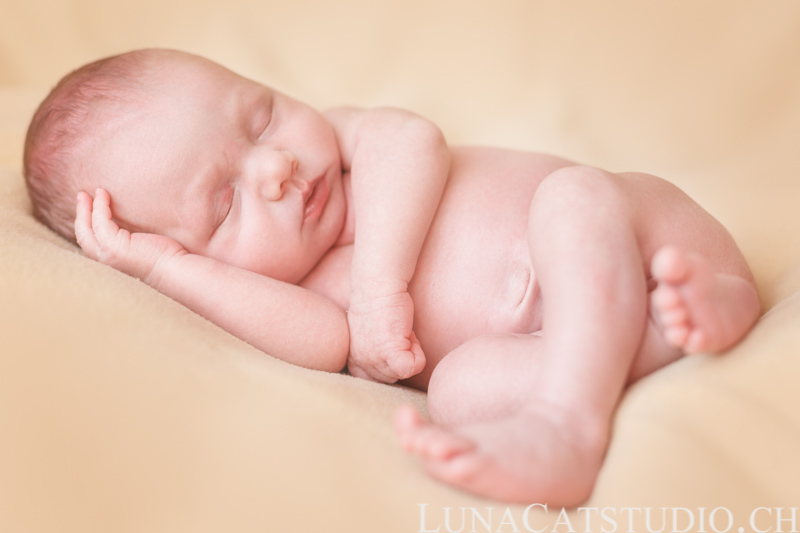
[(315, 199), (312, 186)]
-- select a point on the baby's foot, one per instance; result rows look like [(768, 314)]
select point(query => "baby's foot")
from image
[(524, 458), (697, 309)]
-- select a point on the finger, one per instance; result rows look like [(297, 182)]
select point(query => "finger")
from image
[(83, 225), (407, 363), (104, 226), (419, 355), (356, 371), (419, 360), (383, 373), (372, 372), (402, 364)]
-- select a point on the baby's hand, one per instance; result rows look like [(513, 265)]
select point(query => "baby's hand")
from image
[(141, 255), (383, 346)]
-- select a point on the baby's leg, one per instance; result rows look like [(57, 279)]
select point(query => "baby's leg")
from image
[(486, 378), (584, 250), (697, 309)]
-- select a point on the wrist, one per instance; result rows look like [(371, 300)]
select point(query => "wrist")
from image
[(371, 287), (162, 268), (374, 274)]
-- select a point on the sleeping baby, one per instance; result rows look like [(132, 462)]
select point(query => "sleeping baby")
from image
[(522, 291)]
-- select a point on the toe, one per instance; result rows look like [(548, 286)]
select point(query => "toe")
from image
[(674, 317), (419, 436), (696, 342), (666, 297), (407, 425), (461, 471), (677, 336), (406, 418), (444, 444), (669, 265)]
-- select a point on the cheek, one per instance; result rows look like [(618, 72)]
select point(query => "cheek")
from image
[(278, 258), (323, 137)]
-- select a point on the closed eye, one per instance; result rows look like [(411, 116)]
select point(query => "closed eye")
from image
[(229, 207), (263, 130), (265, 118), (226, 208)]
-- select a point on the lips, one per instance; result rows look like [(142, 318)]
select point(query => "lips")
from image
[(314, 199)]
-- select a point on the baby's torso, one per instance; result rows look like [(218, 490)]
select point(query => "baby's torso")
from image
[(473, 275)]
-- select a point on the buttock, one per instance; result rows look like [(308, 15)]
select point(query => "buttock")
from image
[(665, 215)]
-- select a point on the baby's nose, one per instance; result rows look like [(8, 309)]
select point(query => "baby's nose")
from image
[(278, 172)]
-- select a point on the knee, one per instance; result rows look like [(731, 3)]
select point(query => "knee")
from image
[(579, 181), (480, 380), (453, 381), (576, 189)]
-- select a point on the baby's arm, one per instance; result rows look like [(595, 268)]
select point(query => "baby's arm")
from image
[(283, 320), (398, 163)]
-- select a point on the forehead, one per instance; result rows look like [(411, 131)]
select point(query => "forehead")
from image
[(162, 154), (196, 88)]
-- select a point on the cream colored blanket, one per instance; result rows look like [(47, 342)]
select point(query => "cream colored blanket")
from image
[(120, 410)]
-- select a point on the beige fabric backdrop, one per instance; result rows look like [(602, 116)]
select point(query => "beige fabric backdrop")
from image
[(122, 411)]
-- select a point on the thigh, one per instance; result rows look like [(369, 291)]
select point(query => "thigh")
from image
[(657, 213), (585, 250)]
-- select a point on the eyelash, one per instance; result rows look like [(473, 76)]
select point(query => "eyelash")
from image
[(260, 136), (230, 207), (264, 129)]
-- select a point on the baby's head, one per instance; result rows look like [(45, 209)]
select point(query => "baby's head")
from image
[(224, 165), (83, 107)]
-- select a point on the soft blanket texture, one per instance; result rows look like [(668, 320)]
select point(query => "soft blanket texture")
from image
[(120, 410)]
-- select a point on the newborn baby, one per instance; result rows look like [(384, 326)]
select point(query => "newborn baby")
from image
[(522, 291)]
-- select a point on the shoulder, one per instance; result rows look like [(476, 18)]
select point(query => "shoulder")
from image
[(347, 121), (381, 127)]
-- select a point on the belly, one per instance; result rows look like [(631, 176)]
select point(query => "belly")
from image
[(474, 274)]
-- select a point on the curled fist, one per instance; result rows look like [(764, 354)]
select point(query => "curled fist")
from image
[(383, 346)]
